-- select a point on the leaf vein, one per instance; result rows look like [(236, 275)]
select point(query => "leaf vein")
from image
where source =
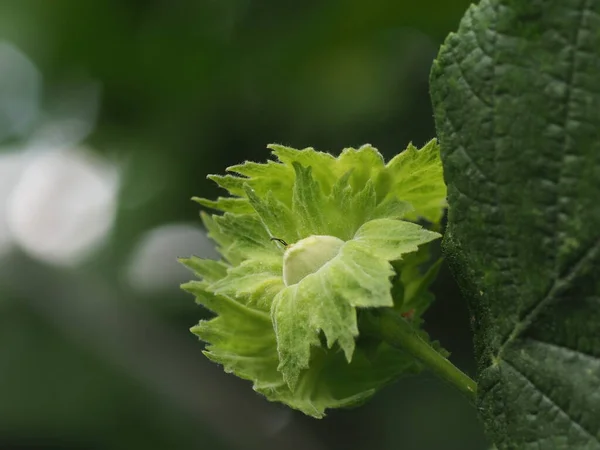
[(552, 401), (471, 89), (468, 157), (559, 286), (564, 348)]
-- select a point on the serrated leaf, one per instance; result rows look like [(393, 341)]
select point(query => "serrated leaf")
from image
[(391, 208), (243, 341), (236, 205), (415, 176), (221, 304), (235, 185), (335, 383), (207, 269), (308, 202), (325, 301), (252, 169), (390, 239), (339, 203), (248, 349), (254, 281), (363, 205), (347, 209), (365, 162), (306, 195), (275, 215), (323, 165), (516, 94), (269, 178), (249, 238), (222, 239)]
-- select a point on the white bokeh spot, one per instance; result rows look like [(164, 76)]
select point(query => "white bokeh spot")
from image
[(63, 205)]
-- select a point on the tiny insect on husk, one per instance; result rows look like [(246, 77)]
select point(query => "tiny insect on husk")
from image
[(281, 241)]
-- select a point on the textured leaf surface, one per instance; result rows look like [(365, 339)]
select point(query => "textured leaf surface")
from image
[(516, 93)]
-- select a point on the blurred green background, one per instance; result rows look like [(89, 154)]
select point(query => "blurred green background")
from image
[(112, 113)]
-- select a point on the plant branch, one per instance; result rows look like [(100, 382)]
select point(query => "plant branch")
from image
[(390, 327)]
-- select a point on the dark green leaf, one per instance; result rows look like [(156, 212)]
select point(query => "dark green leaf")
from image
[(516, 94)]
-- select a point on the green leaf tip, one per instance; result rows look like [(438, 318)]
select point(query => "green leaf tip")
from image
[(307, 243)]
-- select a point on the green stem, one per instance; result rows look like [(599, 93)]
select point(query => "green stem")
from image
[(390, 327)]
